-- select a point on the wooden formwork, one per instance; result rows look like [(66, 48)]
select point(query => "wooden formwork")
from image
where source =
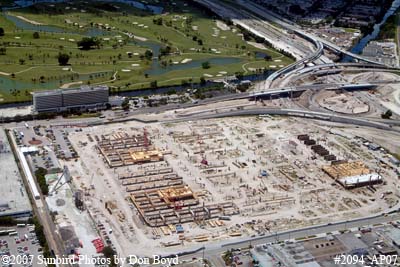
[(121, 149), (156, 211), (346, 169)]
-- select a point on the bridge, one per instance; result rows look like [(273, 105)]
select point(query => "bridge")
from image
[(290, 90)]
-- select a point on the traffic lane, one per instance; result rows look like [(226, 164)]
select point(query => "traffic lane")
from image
[(215, 251)]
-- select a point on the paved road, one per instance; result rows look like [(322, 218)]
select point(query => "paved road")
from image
[(212, 252), (43, 214), (271, 33), (276, 36), (376, 123), (269, 15)]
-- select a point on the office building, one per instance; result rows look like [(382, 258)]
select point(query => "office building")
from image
[(83, 98)]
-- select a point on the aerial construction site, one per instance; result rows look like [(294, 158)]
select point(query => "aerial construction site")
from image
[(223, 133), (184, 183)]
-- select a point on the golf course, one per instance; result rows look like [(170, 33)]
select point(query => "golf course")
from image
[(127, 45)]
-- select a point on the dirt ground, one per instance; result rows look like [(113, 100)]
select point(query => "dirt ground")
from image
[(257, 163)]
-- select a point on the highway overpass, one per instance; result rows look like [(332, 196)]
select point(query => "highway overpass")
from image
[(261, 11), (255, 25), (376, 123), (323, 86)]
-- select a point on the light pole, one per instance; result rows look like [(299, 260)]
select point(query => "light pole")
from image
[(204, 262)]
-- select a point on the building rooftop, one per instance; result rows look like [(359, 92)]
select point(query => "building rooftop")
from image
[(359, 179), (14, 199), (83, 88), (394, 234)]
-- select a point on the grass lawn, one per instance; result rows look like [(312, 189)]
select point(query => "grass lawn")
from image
[(350, 30), (192, 34)]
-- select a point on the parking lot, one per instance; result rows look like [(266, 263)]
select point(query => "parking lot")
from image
[(21, 243)]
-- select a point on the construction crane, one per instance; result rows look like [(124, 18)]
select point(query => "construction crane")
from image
[(59, 184)]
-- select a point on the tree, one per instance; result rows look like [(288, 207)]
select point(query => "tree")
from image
[(158, 21), (387, 115), (153, 84), (39, 231), (3, 50), (165, 50), (36, 35), (246, 36), (202, 81), (7, 221), (109, 254), (189, 20), (205, 65), (40, 174), (296, 9), (125, 104), (148, 54), (21, 61), (228, 257), (1, 31), (268, 58), (88, 43), (63, 59)]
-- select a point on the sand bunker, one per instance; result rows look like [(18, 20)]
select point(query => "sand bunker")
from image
[(186, 60), (29, 20), (222, 25)]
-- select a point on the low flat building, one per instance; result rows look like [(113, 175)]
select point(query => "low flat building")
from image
[(352, 174), (384, 52), (14, 200), (360, 180), (83, 98)]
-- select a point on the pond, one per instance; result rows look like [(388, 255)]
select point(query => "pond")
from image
[(24, 25), (7, 83)]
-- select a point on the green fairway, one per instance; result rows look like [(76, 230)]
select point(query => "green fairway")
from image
[(182, 39)]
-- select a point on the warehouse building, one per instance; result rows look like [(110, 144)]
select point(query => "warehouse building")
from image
[(83, 98), (14, 200)]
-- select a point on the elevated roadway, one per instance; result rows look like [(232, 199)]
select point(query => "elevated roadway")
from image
[(252, 23), (277, 36), (330, 68), (376, 123), (317, 87), (261, 11)]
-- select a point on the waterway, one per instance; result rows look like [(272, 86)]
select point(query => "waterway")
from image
[(358, 48), (139, 5)]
